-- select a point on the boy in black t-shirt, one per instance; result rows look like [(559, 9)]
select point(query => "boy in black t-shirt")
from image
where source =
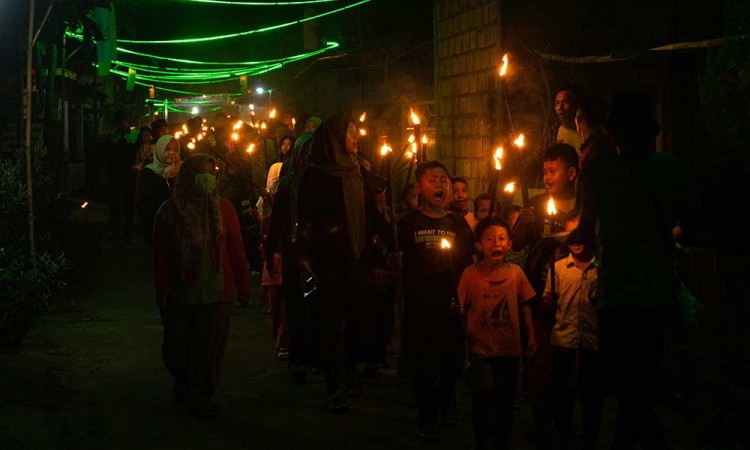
[(436, 246)]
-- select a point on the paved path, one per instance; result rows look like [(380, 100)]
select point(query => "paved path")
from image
[(89, 376)]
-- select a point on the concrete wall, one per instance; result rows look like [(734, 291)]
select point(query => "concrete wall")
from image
[(467, 54)]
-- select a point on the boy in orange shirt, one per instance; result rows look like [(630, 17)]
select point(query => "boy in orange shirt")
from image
[(493, 296)]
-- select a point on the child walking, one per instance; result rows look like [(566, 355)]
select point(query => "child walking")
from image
[(493, 296), (436, 246), (575, 358)]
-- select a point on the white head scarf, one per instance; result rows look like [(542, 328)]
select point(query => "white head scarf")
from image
[(159, 164)]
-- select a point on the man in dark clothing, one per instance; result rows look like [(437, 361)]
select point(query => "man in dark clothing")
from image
[(121, 176), (628, 210)]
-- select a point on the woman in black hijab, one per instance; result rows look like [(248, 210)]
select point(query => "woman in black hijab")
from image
[(335, 215)]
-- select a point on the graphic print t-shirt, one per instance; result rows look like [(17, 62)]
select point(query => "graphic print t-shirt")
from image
[(492, 303), (431, 272)]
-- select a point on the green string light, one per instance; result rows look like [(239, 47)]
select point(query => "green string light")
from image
[(245, 33), (329, 46), (154, 73)]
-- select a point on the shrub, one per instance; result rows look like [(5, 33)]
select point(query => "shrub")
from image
[(27, 281)]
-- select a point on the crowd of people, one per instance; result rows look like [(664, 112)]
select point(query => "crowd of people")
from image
[(503, 297)]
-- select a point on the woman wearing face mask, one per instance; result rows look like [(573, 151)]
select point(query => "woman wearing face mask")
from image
[(200, 269), (154, 184)]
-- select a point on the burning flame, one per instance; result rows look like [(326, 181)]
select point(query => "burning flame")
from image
[(363, 117), (409, 154), (385, 149), (84, 205), (414, 147), (445, 243), (250, 148), (177, 135), (424, 139), (184, 128), (205, 128), (504, 67), (411, 138), (263, 126), (294, 122), (520, 141), (551, 210), (191, 146), (497, 157), (272, 114), (235, 137), (237, 125), (414, 117), (200, 136), (510, 187), (362, 132)]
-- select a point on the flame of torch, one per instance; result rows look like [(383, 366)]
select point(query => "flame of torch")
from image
[(409, 154), (272, 114), (445, 243), (510, 187), (237, 125), (424, 139), (414, 147), (184, 128), (520, 141), (294, 122), (385, 149), (498, 156), (414, 117), (200, 136), (362, 132), (363, 117), (263, 126), (177, 135), (411, 138), (504, 67), (250, 148), (84, 205), (191, 146), (551, 210), (235, 137)]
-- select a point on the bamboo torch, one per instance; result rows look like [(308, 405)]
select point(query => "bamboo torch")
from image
[(495, 179)]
